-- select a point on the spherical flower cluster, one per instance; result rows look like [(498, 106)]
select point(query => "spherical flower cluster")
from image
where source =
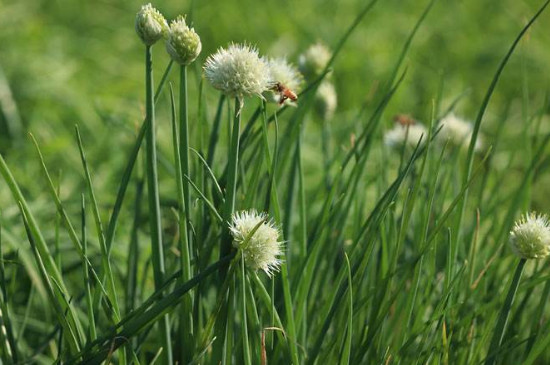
[(238, 71), (314, 60), (409, 135), (262, 249), (530, 237), (285, 73), (326, 100), (457, 131), (183, 44), (150, 25)]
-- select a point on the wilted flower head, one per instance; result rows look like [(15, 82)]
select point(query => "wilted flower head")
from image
[(263, 248), (285, 73), (237, 71), (457, 131), (409, 135), (314, 60), (183, 44), (326, 100), (530, 237), (150, 25)]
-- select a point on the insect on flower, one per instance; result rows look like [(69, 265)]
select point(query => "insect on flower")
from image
[(284, 93), (404, 119)]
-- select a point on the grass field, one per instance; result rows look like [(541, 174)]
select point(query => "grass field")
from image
[(387, 194)]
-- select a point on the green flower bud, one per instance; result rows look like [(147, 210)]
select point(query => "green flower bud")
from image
[(150, 25), (183, 44)]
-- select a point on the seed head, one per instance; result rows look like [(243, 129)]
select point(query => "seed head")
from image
[(238, 71), (409, 135), (183, 44), (262, 249), (314, 60), (530, 237), (457, 131), (326, 100), (150, 25), (287, 74)]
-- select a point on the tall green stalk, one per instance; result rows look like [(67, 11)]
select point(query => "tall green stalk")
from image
[(231, 183), (181, 157), (154, 203)]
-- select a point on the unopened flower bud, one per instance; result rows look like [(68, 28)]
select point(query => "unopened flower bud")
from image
[(150, 25), (183, 44)]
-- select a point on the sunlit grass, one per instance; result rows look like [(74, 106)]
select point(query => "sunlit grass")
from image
[(126, 240)]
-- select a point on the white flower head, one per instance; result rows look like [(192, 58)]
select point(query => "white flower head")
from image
[(183, 44), (314, 60), (409, 135), (326, 100), (150, 25), (285, 73), (530, 237), (457, 131), (238, 71), (263, 248)]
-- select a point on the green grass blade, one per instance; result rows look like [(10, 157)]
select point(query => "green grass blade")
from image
[(88, 292), (500, 328)]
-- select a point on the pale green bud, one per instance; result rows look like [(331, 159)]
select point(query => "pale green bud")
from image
[(150, 25), (183, 44)]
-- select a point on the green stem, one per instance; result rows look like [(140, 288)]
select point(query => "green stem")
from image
[(500, 328), (231, 185), (181, 158), (154, 203), (88, 292), (244, 325), (215, 131)]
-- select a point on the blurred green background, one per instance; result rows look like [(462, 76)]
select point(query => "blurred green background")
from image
[(68, 62)]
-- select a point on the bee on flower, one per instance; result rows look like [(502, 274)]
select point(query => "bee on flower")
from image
[(286, 81)]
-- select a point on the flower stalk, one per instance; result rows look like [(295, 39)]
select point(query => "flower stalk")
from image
[(186, 320), (154, 202)]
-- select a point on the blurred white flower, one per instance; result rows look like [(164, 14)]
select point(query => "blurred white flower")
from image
[(183, 44), (409, 135), (238, 71), (263, 249), (285, 73), (326, 100), (530, 237), (457, 131), (150, 25), (314, 60)]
